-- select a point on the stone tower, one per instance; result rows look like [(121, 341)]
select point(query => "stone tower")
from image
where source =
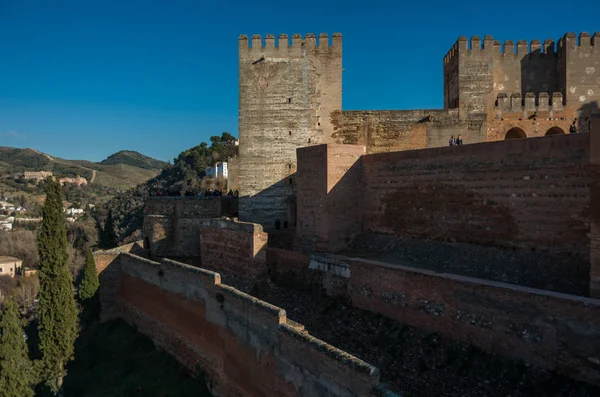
[(286, 96), (480, 76)]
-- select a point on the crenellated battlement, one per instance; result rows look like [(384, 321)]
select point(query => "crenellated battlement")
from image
[(310, 40), (522, 47)]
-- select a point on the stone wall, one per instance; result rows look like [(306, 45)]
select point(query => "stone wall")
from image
[(478, 72), (555, 331), (395, 130), (287, 94), (236, 248), (107, 265), (246, 347), (171, 224)]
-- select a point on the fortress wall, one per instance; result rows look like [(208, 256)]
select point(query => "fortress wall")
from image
[(523, 193), (525, 67), (551, 330), (245, 346), (396, 130), (171, 224), (108, 268), (451, 78), (328, 196), (533, 123), (595, 209), (287, 92), (236, 248), (582, 68)]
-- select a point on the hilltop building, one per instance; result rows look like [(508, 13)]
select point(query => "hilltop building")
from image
[(79, 181), (219, 170), (37, 175)]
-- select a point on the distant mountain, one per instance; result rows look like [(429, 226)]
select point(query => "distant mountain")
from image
[(119, 171), (135, 159)]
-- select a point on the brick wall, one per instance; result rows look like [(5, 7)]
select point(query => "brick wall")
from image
[(236, 248), (107, 265), (595, 209), (171, 224), (551, 330), (245, 346), (529, 194), (555, 331), (328, 178)]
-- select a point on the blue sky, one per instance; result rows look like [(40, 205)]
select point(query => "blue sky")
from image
[(84, 79)]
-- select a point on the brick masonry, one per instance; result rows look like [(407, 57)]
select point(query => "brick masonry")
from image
[(554, 331), (172, 224), (245, 347), (490, 194), (327, 208), (236, 248)]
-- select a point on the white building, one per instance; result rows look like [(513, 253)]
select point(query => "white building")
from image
[(218, 170), (6, 206), (74, 211)]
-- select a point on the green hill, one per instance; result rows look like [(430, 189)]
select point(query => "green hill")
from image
[(134, 159), (186, 174), (122, 170)]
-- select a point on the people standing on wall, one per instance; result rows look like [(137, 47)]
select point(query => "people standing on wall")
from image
[(451, 142), (459, 140), (573, 127)]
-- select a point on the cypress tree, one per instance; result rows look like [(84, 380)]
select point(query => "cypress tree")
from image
[(109, 235), (58, 317), (16, 370), (89, 284)]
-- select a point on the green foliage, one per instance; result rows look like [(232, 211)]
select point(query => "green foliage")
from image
[(58, 314), (89, 284), (185, 174), (16, 370), (135, 159), (108, 236), (24, 158), (114, 360)]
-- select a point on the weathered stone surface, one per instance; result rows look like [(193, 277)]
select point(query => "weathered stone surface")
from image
[(287, 95)]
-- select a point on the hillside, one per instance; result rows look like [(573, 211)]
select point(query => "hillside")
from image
[(185, 175), (122, 170), (134, 159)]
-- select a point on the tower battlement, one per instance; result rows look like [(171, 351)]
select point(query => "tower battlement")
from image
[(476, 71), (282, 44)]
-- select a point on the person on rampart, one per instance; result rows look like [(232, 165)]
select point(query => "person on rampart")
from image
[(573, 127), (459, 140), (451, 142)]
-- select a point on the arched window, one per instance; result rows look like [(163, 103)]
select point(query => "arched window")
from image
[(515, 133), (555, 131)]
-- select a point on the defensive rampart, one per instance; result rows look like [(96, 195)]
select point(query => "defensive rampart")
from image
[(525, 194), (171, 224), (555, 331), (245, 347), (237, 248), (394, 130)]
